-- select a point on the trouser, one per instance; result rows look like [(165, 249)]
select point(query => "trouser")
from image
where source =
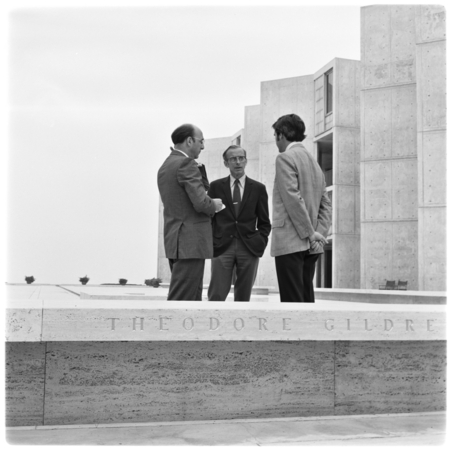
[(236, 255), (295, 273), (186, 282)]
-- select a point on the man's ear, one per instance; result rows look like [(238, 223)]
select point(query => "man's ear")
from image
[(225, 163)]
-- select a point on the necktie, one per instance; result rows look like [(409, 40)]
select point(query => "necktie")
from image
[(236, 196)]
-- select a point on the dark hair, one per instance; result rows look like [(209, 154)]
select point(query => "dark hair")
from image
[(291, 127), (232, 147), (182, 133)]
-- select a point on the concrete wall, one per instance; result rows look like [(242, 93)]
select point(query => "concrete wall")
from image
[(280, 97), (389, 176), (250, 141), (346, 175), (431, 140)]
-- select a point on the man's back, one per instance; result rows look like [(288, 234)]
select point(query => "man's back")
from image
[(187, 209), (299, 188)]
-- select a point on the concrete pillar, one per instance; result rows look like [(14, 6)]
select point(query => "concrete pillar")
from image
[(431, 140), (280, 97), (389, 174)]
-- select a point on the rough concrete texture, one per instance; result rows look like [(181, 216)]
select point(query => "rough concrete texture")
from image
[(432, 257), (346, 263), (389, 255), (431, 84), (387, 45), (346, 151), (347, 93), (25, 371), (285, 96), (250, 142), (391, 110), (387, 379)]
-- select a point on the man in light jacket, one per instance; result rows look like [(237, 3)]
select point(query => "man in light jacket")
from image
[(301, 212)]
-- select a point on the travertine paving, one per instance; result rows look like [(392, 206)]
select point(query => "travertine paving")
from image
[(371, 430)]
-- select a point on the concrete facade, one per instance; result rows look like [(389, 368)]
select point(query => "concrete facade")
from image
[(381, 144), (431, 145), (403, 146), (337, 148)]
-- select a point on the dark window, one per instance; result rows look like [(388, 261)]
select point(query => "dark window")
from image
[(325, 158), (329, 92)]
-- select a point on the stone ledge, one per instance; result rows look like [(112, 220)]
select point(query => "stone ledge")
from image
[(140, 320)]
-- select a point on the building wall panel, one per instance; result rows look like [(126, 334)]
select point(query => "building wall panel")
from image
[(269, 109), (345, 214), (375, 29), (252, 133), (346, 93), (346, 261), (346, 155), (433, 168), (404, 189), (404, 121), (377, 124), (432, 255), (376, 253), (377, 191), (430, 23), (405, 253), (431, 64)]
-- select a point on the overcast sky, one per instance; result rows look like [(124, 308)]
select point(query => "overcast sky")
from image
[(94, 95)]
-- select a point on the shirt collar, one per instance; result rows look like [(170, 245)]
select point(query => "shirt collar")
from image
[(241, 180), (181, 151), (291, 144)]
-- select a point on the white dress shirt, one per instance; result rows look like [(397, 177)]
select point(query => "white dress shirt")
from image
[(241, 185)]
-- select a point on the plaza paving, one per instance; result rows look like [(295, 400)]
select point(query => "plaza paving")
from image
[(419, 429)]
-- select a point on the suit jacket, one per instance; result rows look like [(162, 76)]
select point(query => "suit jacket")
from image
[(205, 180), (187, 209), (300, 201), (252, 224)]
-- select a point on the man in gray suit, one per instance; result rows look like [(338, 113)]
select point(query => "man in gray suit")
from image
[(187, 214), (301, 212)]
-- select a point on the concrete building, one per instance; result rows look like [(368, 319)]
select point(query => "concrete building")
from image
[(377, 128), (403, 146)]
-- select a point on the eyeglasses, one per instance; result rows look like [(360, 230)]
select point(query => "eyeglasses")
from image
[(235, 159), (202, 141)]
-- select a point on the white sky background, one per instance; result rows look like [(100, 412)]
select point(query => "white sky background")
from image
[(94, 95)]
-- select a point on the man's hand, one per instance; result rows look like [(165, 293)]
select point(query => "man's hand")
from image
[(315, 246), (316, 241), (218, 203)]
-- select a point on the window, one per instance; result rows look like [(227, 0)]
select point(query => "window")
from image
[(329, 92), (325, 158)]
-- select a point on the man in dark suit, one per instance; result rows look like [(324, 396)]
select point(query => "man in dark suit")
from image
[(187, 214), (240, 231)]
